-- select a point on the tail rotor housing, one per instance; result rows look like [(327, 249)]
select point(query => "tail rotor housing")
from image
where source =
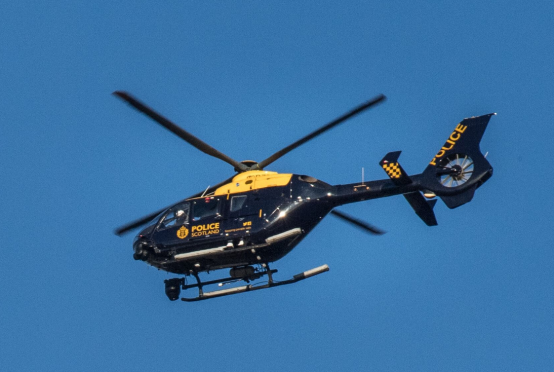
[(459, 167)]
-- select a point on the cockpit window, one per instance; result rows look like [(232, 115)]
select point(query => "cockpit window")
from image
[(208, 207), (177, 216), (237, 202)]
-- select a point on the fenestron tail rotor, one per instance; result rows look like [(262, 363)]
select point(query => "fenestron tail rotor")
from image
[(456, 170)]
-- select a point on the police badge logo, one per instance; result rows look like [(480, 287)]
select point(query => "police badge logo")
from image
[(183, 232)]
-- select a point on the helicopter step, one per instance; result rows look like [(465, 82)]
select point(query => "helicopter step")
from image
[(173, 285)]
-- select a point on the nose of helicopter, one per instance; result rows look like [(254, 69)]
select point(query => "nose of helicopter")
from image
[(142, 248)]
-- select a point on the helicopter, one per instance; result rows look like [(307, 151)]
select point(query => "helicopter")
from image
[(256, 217)]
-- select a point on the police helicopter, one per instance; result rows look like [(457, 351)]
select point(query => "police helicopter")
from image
[(255, 217)]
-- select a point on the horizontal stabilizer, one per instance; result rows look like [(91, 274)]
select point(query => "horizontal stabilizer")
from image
[(422, 207)]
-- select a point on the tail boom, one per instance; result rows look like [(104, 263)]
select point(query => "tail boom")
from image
[(454, 173)]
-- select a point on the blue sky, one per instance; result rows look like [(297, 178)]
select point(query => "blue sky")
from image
[(474, 293)]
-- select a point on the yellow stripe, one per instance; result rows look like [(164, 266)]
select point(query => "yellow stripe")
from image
[(254, 180)]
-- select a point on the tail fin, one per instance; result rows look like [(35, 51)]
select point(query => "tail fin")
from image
[(459, 167), (422, 207)]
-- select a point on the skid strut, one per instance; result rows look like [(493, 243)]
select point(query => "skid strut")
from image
[(247, 288)]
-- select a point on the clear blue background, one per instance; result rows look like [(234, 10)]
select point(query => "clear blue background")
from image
[(472, 294)]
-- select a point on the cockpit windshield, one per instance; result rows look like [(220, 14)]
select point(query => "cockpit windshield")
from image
[(176, 216)]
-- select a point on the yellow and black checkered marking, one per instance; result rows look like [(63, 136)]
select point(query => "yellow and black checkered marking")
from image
[(393, 170)]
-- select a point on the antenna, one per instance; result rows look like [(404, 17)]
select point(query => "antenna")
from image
[(205, 191), (362, 175)]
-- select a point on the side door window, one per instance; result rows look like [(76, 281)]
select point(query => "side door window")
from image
[(206, 218), (236, 203), (244, 205), (207, 208), (238, 221)]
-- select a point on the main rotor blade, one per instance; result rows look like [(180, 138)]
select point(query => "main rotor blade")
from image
[(358, 223), (135, 224), (348, 115), (180, 132)]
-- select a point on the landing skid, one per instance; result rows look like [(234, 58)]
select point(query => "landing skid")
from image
[(247, 288)]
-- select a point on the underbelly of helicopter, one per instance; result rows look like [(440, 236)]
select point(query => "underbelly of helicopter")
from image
[(221, 256)]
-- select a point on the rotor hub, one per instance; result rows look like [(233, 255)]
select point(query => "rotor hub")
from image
[(251, 164), (457, 172), (458, 169)]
